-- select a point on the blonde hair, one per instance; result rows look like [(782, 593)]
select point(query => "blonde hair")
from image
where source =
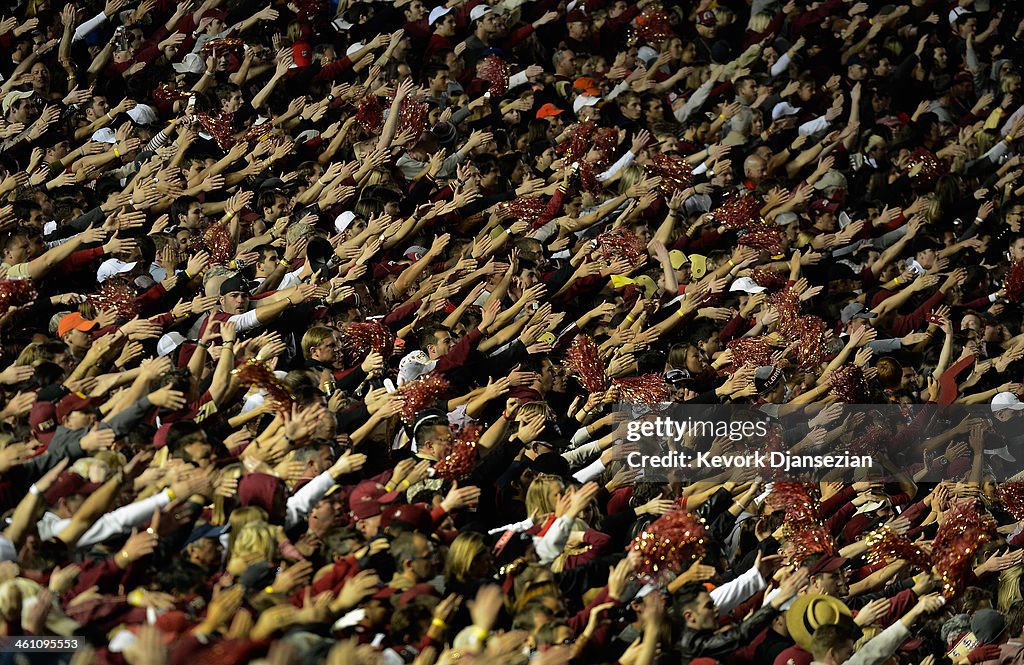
[(759, 22), (314, 337), (538, 496), (1009, 588), (92, 469), (240, 517), (13, 606), (257, 541), (466, 547)]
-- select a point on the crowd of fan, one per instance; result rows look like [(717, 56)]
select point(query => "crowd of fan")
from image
[(189, 188)]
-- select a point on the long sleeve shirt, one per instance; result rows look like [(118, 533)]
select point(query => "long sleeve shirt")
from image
[(115, 523)]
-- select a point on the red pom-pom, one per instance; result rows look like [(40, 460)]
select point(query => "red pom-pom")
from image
[(217, 239), (526, 208), (875, 441), (848, 384), (118, 295), (811, 541), (813, 335), (763, 238), (768, 278), (653, 25), (495, 71), (585, 361), (885, 546), (646, 389), (739, 212), (222, 46), (370, 114), (676, 173), (963, 531), (756, 351), (412, 116), (422, 393), (359, 339), (459, 463), (15, 293), (1012, 497), (925, 168), (667, 544), (1015, 282), (800, 503), (218, 127), (622, 243), (259, 374)]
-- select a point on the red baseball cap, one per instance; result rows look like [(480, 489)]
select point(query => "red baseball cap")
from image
[(69, 483), (414, 515), (367, 497), (302, 54), (43, 420), (75, 402), (74, 321), (547, 111)]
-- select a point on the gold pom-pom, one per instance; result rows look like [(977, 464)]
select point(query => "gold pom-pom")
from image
[(258, 374), (116, 294), (422, 393)]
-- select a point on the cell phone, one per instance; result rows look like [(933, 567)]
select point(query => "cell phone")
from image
[(389, 385), (935, 318)]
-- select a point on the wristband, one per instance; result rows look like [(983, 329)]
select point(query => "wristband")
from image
[(268, 590), (34, 491), (389, 488), (732, 264), (682, 312), (897, 280), (404, 484), (228, 215), (170, 493), (135, 598), (439, 623), (630, 319), (202, 344), (116, 152), (481, 634)]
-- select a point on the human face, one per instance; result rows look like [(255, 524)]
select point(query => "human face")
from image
[(40, 76), (578, 30), (857, 72), (1014, 217), (80, 419), (236, 302), (1017, 250), (232, 103), (369, 527), (438, 441), (446, 26), (703, 615), (194, 217), (278, 210), (206, 553), (441, 346), (17, 250), (490, 24), (415, 11), (926, 258), (424, 564), (831, 584), (632, 109), (99, 106), (325, 352), (747, 91)]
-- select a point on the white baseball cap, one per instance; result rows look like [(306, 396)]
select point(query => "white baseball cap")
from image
[(143, 114), (583, 101), (1006, 400), (169, 342), (104, 135), (353, 48), (344, 220), (436, 13), (746, 284), (783, 109), (479, 12), (192, 63), (112, 267)]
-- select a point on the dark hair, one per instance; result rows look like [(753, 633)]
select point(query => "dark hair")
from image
[(180, 208)]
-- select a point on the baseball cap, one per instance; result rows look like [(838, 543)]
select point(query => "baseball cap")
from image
[(104, 135), (856, 310), (69, 483), (783, 109), (143, 114), (169, 342), (302, 55), (436, 13), (192, 63), (12, 97), (415, 252), (479, 12), (576, 16), (42, 419), (547, 111), (747, 285), (677, 258), (414, 515), (958, 13), (112, 267), (786, 218), (73, 402), (832, 179), (233, 284), (587, 85), (367, 497), (828, 564), (766, 378), (75, 321), (1006, 400), (344, 220), (707, 18), (583, 101), (206, 530), (987, 625)]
